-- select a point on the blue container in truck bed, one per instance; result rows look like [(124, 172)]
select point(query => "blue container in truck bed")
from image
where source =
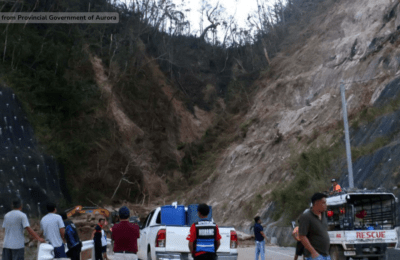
[(169, 241), (173, 215), (192, 216)]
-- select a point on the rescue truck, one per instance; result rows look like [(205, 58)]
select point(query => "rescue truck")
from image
[(362, 224)]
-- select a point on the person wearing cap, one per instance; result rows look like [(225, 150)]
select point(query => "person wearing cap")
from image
[(335, 187), (125, 236)]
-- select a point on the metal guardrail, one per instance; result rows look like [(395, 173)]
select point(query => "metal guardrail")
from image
[(46, 251)]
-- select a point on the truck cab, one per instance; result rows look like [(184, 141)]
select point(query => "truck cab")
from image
[(361, 224)]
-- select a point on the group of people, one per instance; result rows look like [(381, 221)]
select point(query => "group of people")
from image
[(58, 230), (312, 233), (204, 237), (15, 221)]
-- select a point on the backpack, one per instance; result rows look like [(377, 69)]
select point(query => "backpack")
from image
[(71, 235)]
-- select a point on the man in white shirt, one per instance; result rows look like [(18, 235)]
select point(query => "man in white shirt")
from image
[(14, 224), (54, 230)]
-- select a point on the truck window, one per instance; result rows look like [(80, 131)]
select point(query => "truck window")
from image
[(147, 220), (150, 217), (363, 212), (377, 212), (158, 220)]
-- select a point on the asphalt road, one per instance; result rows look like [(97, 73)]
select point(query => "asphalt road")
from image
[(272, 253), (287, 253)]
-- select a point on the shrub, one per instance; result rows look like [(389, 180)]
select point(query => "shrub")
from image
[(311, 171)]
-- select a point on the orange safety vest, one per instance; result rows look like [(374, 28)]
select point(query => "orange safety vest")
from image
[(337, 188)]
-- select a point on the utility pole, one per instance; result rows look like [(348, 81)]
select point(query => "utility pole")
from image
[(347, 135)]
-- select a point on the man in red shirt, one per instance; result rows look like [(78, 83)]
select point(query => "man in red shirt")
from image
[(204, 238), (125, 236)]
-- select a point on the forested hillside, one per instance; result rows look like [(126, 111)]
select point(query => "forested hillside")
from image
[(147, 111), (132, 110)]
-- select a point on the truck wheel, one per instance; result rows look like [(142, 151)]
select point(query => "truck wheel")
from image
[(337, 253)]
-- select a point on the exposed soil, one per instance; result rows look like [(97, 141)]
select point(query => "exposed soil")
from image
[(299, 103)]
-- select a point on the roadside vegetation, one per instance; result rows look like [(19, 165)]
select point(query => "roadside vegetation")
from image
[(358, 152), (54, 81), (311, 170), (369, 114)]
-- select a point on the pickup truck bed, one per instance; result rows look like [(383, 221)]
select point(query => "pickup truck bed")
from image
[(175, 245)]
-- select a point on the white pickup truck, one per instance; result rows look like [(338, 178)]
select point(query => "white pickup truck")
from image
[(161, 242), (362, 224)]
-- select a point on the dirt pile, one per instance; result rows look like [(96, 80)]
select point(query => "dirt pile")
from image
[(86, 223)]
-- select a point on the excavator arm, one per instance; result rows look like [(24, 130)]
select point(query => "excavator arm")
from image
[(83, 210)]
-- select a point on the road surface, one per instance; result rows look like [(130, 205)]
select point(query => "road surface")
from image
[(272, 253), (287, 253)]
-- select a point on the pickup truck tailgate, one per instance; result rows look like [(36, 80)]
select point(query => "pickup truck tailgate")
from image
[(225, 240), (176, 239)]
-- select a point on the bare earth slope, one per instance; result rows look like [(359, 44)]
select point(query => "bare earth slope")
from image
[(354, 42)]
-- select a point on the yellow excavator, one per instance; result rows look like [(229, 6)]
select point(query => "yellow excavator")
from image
[(111, 217)]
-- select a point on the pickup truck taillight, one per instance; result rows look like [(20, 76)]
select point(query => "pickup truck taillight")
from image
[(161, 237), (234, 240)]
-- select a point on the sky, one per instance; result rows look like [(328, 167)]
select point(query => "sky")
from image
[(239, 8)]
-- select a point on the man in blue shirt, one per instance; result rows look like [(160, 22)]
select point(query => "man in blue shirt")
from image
[(259, 235)]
